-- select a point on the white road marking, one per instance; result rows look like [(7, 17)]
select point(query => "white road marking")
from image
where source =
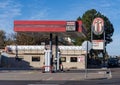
[(43, 84)]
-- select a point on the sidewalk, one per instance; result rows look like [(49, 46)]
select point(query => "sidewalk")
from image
[(38, 75)]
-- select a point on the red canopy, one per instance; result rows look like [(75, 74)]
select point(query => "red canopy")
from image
[(48, 26), (45, 26)]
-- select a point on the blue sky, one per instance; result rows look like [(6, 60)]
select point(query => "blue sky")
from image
[(11, 10)]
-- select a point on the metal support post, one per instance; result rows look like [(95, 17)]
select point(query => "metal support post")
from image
[(58, 61), (56, 57), (51, 57), (104, 50), (16, 51), (86, 61)]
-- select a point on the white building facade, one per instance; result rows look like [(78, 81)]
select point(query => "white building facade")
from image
[(71, 57)]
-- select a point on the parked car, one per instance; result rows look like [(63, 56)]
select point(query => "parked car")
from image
[(118, 62), (113, 62)]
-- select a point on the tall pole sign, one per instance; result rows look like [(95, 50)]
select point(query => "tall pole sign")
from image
[(98, 29)]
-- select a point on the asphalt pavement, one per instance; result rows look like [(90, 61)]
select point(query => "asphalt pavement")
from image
[(72, 77)]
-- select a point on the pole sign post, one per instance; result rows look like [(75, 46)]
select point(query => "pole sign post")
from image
[(98, 29)]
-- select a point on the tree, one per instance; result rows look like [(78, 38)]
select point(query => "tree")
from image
[(2, 39), (10, 39), (79, 41), (79, 18), (88, 18), (23, 38), (31, 38)]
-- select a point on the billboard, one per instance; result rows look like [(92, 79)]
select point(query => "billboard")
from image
[(98, 44)]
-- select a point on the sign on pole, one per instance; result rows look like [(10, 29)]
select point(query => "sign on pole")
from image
[(98, 44), (98, 26), (98, 29), (86, 45)]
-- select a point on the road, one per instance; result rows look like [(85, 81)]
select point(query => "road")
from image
[(115, 80)]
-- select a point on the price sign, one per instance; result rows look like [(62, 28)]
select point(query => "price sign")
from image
[(71, 26)]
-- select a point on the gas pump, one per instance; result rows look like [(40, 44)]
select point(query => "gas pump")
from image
[(48, 67)]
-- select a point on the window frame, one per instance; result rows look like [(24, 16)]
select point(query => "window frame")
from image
[(75, 59), (36, 59), (63, 60)]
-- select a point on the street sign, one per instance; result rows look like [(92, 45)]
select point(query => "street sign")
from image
[(98, 26), (86, 45)]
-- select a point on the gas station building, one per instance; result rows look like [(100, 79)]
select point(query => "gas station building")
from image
[(71, 57)]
